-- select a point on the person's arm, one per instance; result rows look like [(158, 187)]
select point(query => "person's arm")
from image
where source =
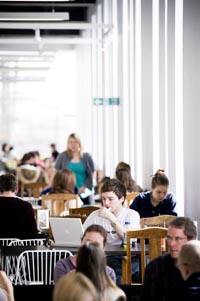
[(63, 267), (6, 284), (107, 214), (170, 205)]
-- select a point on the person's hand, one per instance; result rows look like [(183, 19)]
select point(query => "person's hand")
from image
[(81, 189), (106, 213), (6, 284)]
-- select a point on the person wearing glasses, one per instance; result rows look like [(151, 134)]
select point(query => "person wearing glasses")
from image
[(189, 266), (162, 274)]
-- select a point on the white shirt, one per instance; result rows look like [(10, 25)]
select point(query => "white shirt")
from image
[(126, 215)]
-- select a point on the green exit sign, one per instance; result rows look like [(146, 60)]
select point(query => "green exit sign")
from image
[(111, 101)]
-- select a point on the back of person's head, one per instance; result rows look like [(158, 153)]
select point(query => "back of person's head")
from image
[(52, 145), (159, 178), (190, 230), (75, 287), (97, 228), (100, 184), (8, 182), (91, 261), (63, 181), (115, 186), (5, 147), (123, 165), (124, 175), (190, 255), (28, 158)]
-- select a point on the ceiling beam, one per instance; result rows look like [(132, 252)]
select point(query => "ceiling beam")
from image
[(53, 25)]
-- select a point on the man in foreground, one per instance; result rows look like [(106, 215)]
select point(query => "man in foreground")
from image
[(189, 266), (93, 233), (162, 273)]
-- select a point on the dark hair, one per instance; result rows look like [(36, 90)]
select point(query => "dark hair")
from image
[(8, 182), (124, 175), (91, 261), (122, 165), (185, 223), (99, 229), (115, 186), (159, 178), (4, 146)]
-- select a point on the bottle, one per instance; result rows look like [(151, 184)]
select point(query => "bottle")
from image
[(127, 226)]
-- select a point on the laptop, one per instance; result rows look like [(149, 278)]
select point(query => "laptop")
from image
[(66, 231)]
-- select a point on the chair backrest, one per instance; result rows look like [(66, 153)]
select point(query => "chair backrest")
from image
[(154, 236), (34, 189), (156, 221), (6, 241), (28, 242), (83, 211), (59, 202), (129, 198), (37, 266)]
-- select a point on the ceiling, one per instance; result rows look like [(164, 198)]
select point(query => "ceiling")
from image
[(27, 45), (78, 11), (45, 33)]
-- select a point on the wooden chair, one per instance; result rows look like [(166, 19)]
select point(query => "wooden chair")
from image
[(83, 211), (59, 202), (129, 198), (156, 221), (34, 189), (155, 236)]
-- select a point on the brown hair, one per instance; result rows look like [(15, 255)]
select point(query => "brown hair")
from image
[(75, 137), (63, 182), (159, 178), (115, 186), (8, 182), (91, 261), (190, 230), (99, 229)]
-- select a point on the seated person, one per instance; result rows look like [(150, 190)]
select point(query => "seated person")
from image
[(162, 273), (27, 171), (158, 201), (64, 182), (189, 266), (93, 233), (123, 173), (16, 215), (91, 261), (112, 216)]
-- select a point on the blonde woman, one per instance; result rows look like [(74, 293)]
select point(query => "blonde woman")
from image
[(75, 287), (81, 164)]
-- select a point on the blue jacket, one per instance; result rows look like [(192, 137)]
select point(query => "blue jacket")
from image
[(142, 204)]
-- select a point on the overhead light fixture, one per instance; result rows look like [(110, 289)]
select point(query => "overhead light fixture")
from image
[(31, 17)]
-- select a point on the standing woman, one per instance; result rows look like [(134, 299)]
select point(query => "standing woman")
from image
[(81, 164), (158, 201)]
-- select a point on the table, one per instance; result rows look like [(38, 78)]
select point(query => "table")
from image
[(109, 249)]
